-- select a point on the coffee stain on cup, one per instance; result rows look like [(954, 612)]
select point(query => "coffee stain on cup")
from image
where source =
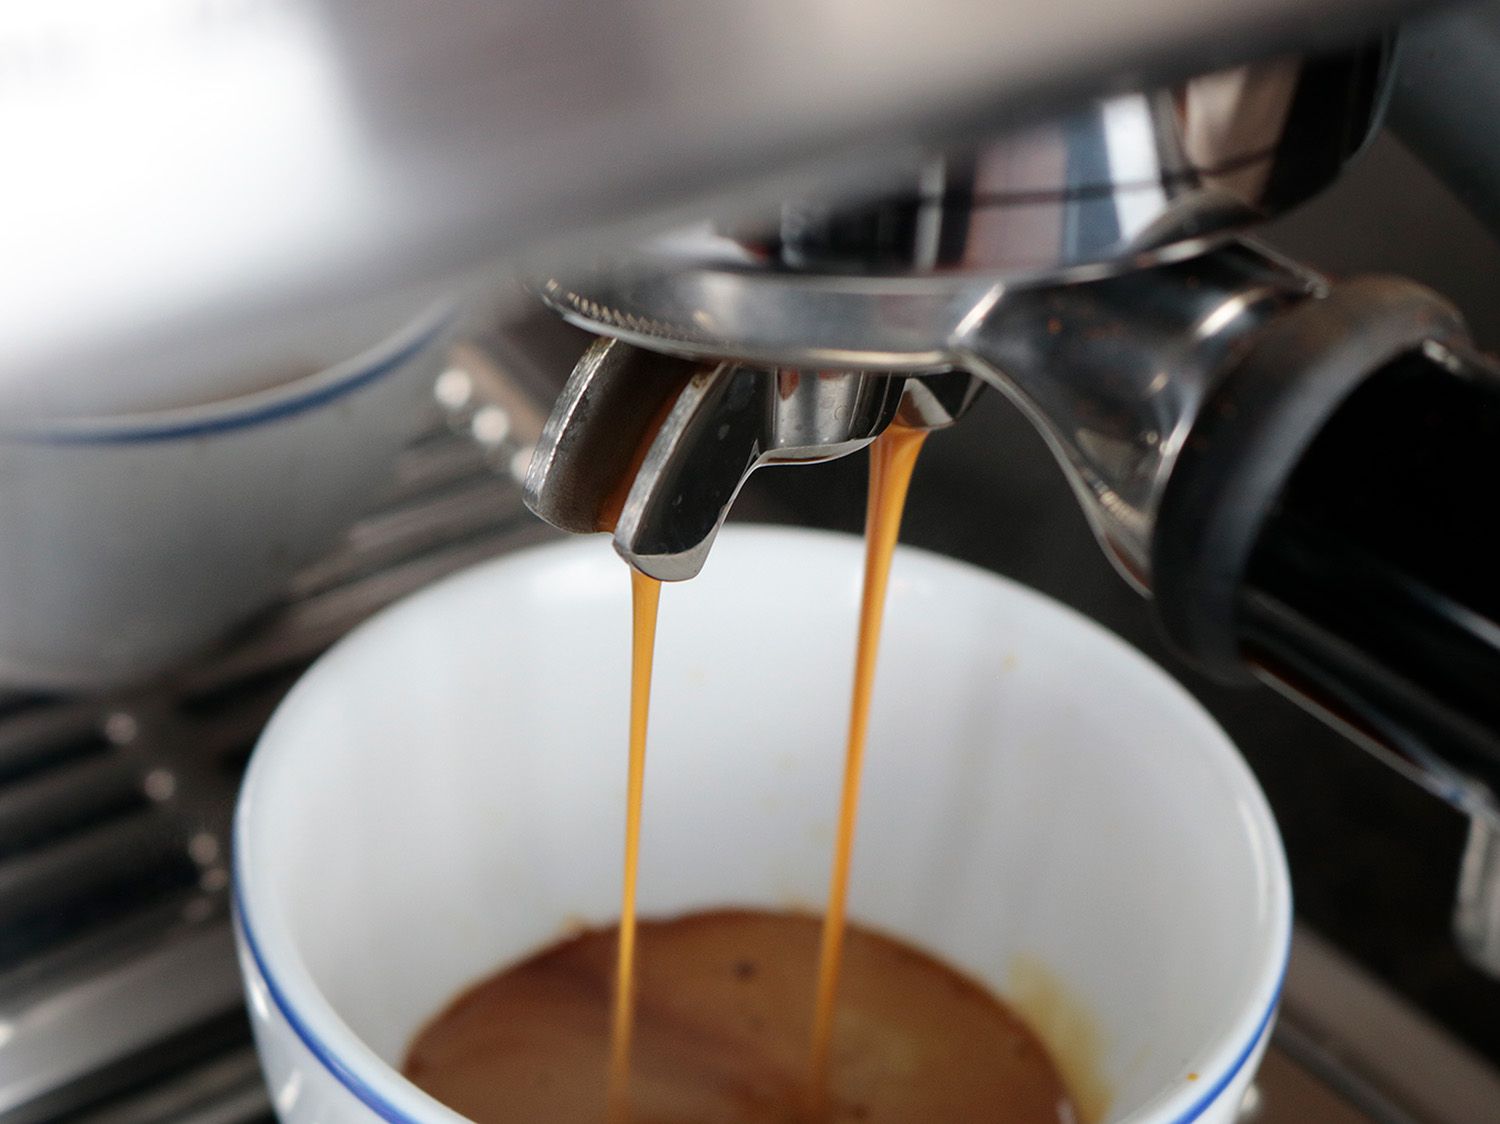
[(1066, 1027)]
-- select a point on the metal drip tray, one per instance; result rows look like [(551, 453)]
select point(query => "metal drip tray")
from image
[(119, 996)]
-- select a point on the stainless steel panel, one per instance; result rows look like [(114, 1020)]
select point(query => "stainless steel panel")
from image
[(203, 182)]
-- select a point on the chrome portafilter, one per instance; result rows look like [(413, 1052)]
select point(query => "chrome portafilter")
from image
[(1112, 372), (1084, 266)]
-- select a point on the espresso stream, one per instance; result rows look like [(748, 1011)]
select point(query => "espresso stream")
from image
[(645, 596), (893, 456), (708, 1014)]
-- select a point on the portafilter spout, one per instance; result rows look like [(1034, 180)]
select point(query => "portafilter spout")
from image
[(654, 449)]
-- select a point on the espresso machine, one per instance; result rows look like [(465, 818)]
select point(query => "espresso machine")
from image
[(791, 226)]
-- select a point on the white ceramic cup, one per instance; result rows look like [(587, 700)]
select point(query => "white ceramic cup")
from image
[(131, 542), (1043, 807)]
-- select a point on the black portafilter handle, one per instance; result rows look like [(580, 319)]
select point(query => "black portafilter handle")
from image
[(1333, 525)]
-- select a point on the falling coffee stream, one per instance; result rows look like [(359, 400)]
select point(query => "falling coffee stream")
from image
[(645, 595), (892, 458)]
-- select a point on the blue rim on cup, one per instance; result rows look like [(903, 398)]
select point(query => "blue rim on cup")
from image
[(382, 1107), (250, 409), (135, 540)]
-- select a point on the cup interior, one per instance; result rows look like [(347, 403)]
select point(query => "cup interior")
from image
[(1043, 807)]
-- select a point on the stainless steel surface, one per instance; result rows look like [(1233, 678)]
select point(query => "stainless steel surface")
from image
[(591, 440), (1125, 180), (1476, 906), (1373, 1050), (654, 449), (937, 401), (76, 1021), (891, 324), (726, 422), (226, 1088), (1113, 373), (1476, 909), (269, 163), (871, 322)]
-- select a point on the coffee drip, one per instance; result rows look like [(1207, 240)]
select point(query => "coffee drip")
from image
[(893, 457), (645, 598)]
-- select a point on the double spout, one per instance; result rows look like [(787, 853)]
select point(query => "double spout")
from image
[(654, 449)]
